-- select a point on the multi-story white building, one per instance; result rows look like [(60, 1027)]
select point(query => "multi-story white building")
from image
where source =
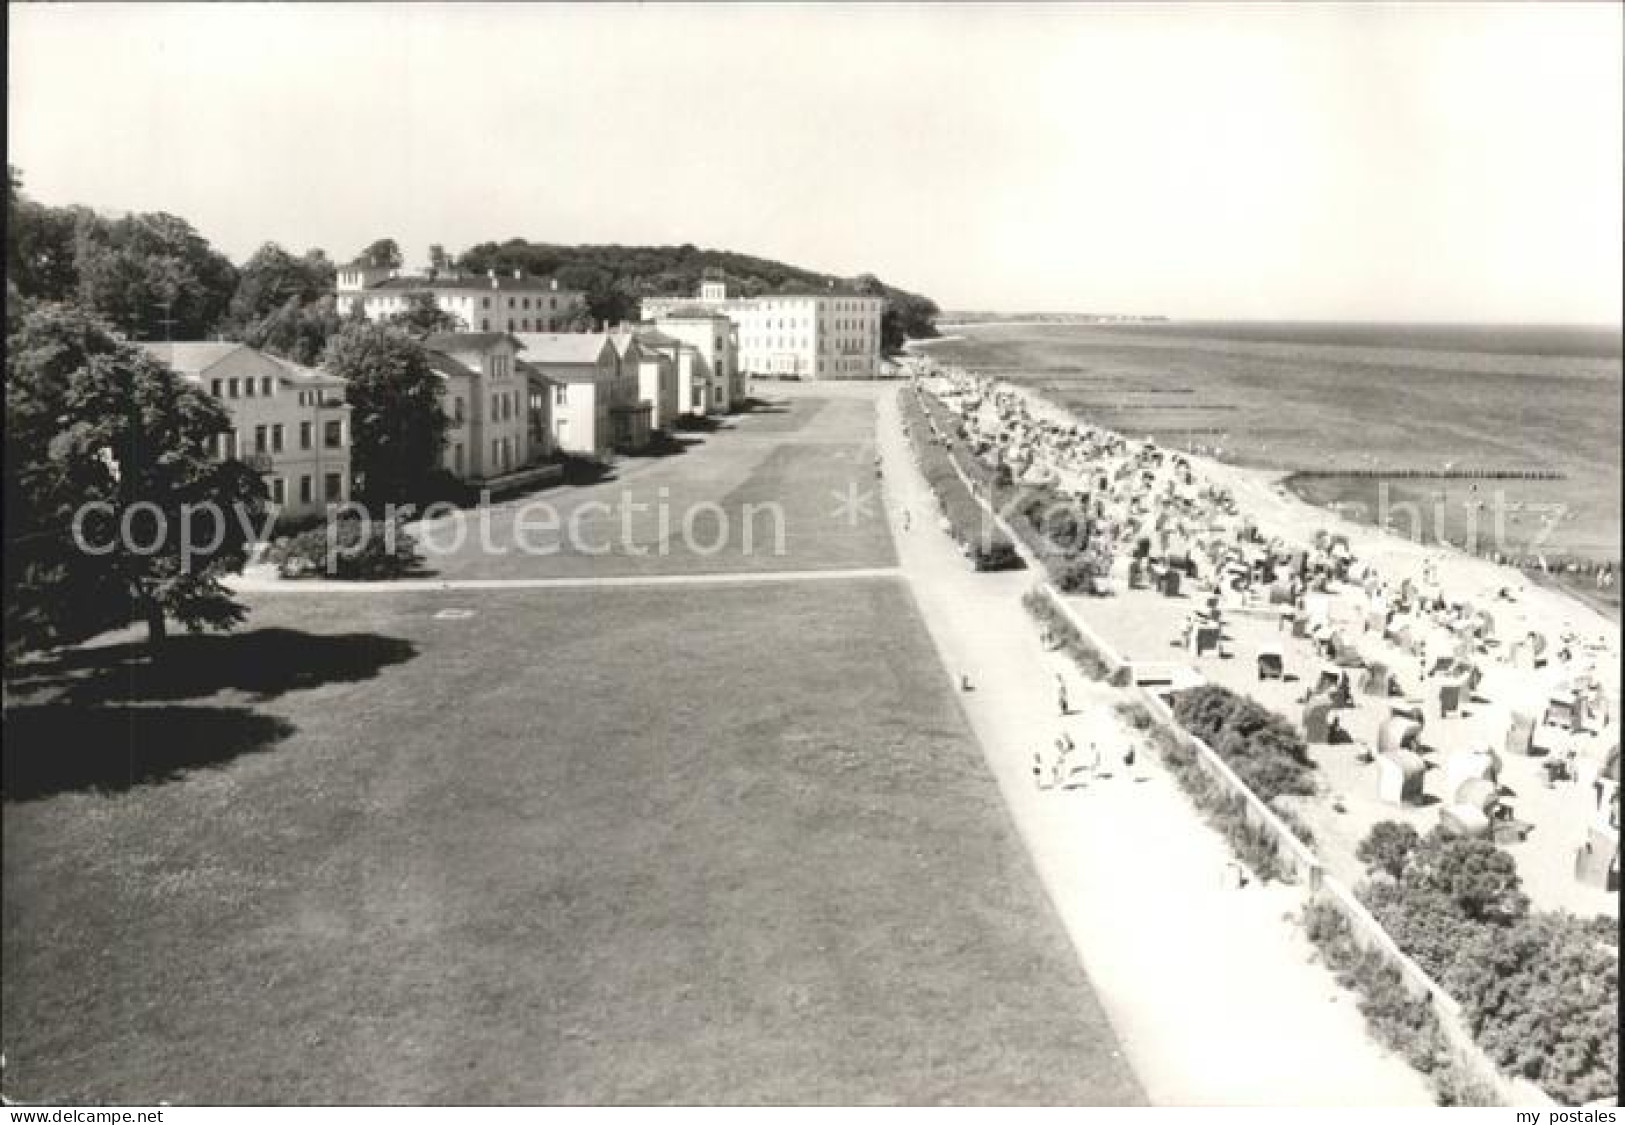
[(487, 400), (492, 302), (291, 424), (816, 334), (596, 405), (709, 382)]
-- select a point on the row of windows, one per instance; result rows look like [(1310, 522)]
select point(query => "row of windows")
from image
[(503, 407), (332, 488), (270, 438), (244, 387)]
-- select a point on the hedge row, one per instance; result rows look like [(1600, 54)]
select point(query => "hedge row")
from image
[(1065, 636), (984, 544), (1055, 528), (1264, 750), (1406, 1025), (1225, 810)]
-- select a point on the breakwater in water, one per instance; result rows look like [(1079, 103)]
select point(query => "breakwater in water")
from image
[(1438, 474)]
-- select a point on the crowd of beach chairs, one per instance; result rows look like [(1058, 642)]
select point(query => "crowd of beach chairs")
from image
[(1413, 646)]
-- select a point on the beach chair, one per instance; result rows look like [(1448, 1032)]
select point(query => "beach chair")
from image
[(1450, 692), (1376, 680), (1520, 736), (1317, 713), (1270, 664), (1398, 733), (1399, 777)]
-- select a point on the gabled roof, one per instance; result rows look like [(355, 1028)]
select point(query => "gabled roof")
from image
[(195, 358), (654, 338), (191, 357), (466, 341), (446, 367), (583, 348)]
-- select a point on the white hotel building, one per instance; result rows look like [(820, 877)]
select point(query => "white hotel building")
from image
[(807, 335), (492, 302)]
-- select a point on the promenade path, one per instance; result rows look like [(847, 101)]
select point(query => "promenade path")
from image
[(1213, 991)]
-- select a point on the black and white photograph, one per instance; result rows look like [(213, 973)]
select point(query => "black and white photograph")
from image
[(823, 554)]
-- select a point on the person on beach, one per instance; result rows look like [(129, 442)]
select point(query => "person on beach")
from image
[(1091, 762), (1038, 771), (1060, 695)]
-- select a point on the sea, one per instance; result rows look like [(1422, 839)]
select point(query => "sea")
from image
[(1501, 440)]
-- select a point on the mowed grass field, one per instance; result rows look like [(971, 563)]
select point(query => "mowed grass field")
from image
[(788, 486), (666, 844)]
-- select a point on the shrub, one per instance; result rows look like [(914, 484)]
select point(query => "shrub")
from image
[(358, 550), (1541, 998), (1479, 877), (1388, 847), (1263, 749), (1089, 659)]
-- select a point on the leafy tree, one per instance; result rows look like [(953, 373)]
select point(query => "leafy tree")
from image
[(423, 317), (297, 331), (153, 276), (1478, 876), (92, 420), (398, 426), (1388, 848), (272, 277), (384, 254), (1541, 998), (438, 258), (40, 244)]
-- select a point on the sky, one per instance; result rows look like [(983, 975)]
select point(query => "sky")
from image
[(1454, 163)]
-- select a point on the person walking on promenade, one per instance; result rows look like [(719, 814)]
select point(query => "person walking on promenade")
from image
[(1091, 762), (1038, 771), (1060, 695)]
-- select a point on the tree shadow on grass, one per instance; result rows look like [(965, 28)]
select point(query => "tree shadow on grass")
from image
[(60, 748), (263, 663)]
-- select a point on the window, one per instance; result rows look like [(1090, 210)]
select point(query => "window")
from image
[(558, 395), (259, 439), (485, 302), (248, 387), (279, 491), (276, 437), (496, 408), (525, 303), (214, 388), (335, 486), (457, 409), (265, 385), (231, 388), (305, 493), (333, 434), (485, 325), (307, 434), (457, 458), (495, 456), (524, 324)]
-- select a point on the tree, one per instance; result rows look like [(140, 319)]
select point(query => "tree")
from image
[(398, 426), (1388, 848), (272, 277), (153, 276), (40, 244), (423, 317), (383, 254), (1478, 876), (296, 331), (438, 258), (102, 436)]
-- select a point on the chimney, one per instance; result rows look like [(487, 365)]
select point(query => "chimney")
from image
[(517, 275), (554, 282), (492, 274)]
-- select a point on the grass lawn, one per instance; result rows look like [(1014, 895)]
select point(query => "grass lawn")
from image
[(728, 844), (799, 454)]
